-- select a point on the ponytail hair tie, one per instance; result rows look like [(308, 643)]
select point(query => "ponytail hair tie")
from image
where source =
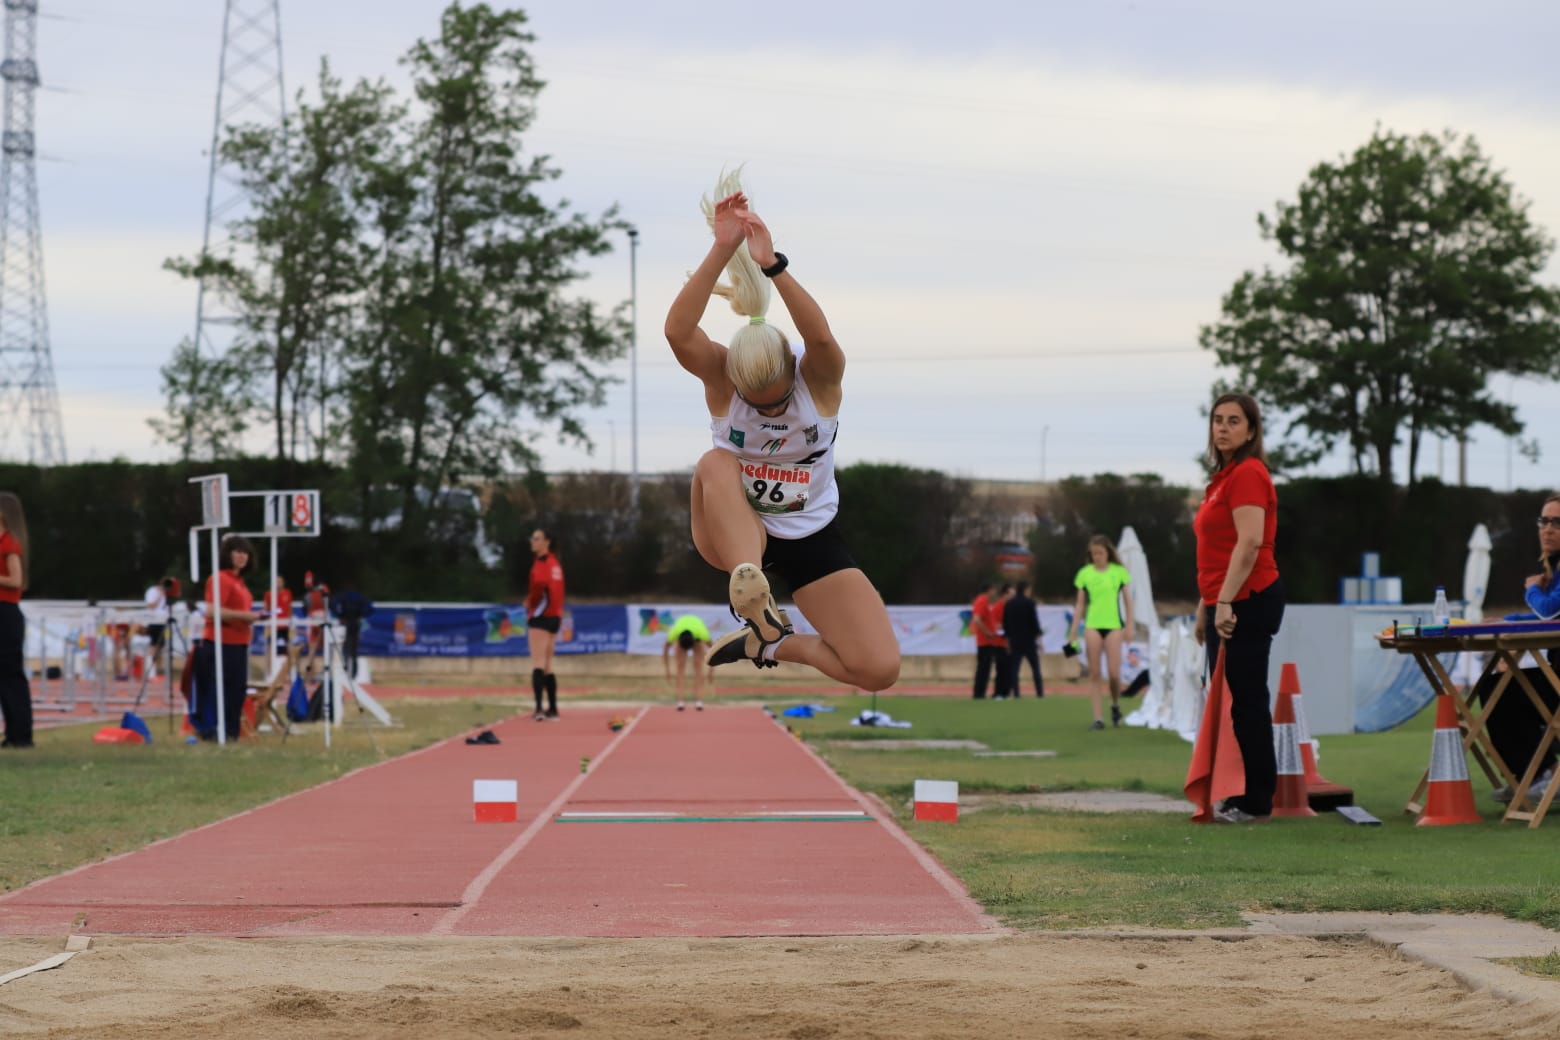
[(757, 319)]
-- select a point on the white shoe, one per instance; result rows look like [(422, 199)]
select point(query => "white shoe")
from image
[(741, 645), (753, 603)]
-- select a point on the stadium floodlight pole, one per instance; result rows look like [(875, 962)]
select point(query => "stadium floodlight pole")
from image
[(633, 370)]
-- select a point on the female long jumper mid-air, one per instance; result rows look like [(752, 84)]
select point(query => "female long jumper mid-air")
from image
[(764, 495)]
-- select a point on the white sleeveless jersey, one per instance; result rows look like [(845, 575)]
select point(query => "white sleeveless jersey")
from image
[(787, 461)]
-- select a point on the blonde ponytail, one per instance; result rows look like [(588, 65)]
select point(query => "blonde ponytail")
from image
[(759, 354), (748, 292)]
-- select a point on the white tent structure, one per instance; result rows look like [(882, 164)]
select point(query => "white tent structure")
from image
[(1142, 586), (1157, 710), (1476, 573), (1476, 578)]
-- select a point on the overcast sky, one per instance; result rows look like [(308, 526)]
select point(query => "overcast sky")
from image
[(1016, 215)]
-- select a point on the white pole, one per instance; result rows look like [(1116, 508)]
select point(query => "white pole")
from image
[(276, 603), (327, 681), (633, 367), (215, 583)]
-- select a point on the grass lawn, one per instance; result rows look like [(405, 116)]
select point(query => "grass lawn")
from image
[(71, 802), (1060, 869)]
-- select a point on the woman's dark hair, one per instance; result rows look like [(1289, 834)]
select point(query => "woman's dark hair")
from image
[(1109, 546), (685, 639), (1252, 449), (232, 543), (1548, 576)]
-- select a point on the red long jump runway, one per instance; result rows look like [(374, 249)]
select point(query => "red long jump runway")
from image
[(714, 823)]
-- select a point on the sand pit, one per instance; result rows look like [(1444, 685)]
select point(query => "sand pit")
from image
[(1276, 987)]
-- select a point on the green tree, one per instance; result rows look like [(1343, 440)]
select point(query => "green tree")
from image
[(403, 288), (1412, 280), (1078, 508), (901, 525), (466, 324), (290, 270)]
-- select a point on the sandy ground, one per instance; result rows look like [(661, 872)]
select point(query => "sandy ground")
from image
[(1205, 987)]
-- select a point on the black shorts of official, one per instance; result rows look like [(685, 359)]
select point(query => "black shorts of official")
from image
[(801, 561), (546, 624)]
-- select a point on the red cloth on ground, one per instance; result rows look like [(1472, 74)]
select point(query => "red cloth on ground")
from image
[(1217, 770)]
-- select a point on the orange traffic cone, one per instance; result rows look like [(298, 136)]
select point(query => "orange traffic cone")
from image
[(1289, 798), (1450, 797), (1321, 793)]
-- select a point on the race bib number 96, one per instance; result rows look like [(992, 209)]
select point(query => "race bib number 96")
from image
[(776, 489)]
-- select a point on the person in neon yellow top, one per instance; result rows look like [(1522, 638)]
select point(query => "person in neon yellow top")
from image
[(688, 634), (1100, 618)]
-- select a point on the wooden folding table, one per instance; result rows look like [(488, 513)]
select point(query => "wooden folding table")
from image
[(1505, 643)]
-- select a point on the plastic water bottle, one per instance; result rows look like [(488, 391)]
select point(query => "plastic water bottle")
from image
[(1443, 611)]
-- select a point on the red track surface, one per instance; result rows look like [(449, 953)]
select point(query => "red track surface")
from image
[(392, 849)]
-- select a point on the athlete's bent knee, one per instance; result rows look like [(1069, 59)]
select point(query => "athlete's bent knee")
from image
[(717, 463), (878, 672)]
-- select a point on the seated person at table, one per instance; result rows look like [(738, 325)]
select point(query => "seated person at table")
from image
[(1515, 726)]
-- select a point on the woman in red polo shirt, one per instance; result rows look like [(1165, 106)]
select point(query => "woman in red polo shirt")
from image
[(544, 613), (1242, 594), (236, 607), (15, 691)]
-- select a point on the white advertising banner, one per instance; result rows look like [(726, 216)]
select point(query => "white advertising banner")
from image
[(922, 631)]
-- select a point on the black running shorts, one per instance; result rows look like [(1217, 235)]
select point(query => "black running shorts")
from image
[(801, 561), (546, 624)]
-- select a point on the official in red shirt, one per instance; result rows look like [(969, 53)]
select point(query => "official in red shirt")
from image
[(990, 647), (279, 609), (1242, 593), (15, 691), (544, 613), (235, 607)]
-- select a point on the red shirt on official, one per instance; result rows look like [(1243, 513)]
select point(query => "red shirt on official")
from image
[(1245, 483), (232, 594), (981, 610), (9, 547), (994, 622), (283, 607), (545, 598)]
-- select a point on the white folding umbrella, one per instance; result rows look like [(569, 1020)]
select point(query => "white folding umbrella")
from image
[(1141, 588), (1476, 576), (1476, 573)]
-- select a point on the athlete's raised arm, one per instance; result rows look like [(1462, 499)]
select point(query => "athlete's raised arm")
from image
[(695, 351)]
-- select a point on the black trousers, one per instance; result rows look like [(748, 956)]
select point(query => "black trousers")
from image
[(15, 692), (349, 646), (989, 659), (235, 687), (1257, 618), (1019, 654), (1515, 726)]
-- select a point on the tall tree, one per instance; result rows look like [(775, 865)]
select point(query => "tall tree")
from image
[(467, 325), (290, 270), (1412, 279), (404, 286)]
